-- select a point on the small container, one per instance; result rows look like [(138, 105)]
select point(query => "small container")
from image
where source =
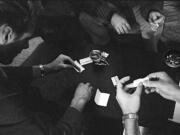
[(99, 58), (95, 55)]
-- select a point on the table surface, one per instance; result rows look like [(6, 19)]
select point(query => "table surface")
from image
[(123, 61), (136, 63)]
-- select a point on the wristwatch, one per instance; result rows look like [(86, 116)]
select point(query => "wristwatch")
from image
[(42, 70), (129, 116)]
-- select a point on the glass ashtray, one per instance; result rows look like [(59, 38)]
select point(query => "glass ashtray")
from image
[(99, 57), (172, 58)]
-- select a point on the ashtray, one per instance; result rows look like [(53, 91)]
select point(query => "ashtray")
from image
[(172, 58), (99, 57)]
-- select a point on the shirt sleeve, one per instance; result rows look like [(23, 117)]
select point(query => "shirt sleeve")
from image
[(71, 122), (96, 8)]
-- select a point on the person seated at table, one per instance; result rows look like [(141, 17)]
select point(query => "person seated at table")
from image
[(130, 103), (16, 119), (17, 25), (118, 15), (151, 18)]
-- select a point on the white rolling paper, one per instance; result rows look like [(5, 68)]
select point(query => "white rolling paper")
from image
[(101, 99)]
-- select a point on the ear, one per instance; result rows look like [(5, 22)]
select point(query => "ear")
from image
[(8, 35)]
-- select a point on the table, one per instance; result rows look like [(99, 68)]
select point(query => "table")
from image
[(136, 63), (123, 61)]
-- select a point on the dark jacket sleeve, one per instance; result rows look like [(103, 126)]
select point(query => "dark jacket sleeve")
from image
[(96, 8), (24, 74), (147, 7), (71, 122)]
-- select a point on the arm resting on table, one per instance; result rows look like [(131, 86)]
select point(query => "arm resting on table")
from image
[(70, 124)]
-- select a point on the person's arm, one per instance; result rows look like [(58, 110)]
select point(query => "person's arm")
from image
[(147, 7), (29, 73), (18, 73), (71, 122), (157, 6), (153, 12), (163, 85), (130, 105), (131, 126)]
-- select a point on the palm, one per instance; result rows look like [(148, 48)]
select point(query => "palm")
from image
[(129, 103)]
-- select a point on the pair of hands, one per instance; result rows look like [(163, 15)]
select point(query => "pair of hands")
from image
[(121, 25), (83, 91), (165, 86)]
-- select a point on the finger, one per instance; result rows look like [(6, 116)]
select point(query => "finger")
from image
[(124, 79), (121, 30), (125, 28), (80, 84), (147, 91), (117, 30), (131, 85), (152, 90), (154, 17), (65, 57), (90, 90), (164, 95), (68, 66), (88, 84), (159, 21), (128, 26), (121, 82), (150, 20), (155, 84), (159, 75), (139, 90)]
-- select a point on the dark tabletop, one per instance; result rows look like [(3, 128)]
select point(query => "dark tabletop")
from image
[(126, 58), (123, 61)]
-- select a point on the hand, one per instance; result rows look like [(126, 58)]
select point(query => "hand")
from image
[(129, 103), (82, 96), (120, 24), (156, 17), (61, 62), (165, 86)]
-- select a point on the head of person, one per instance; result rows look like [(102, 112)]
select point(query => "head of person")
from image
[(14, 21)]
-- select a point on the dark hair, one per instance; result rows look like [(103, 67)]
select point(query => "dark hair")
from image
[(15, 14)]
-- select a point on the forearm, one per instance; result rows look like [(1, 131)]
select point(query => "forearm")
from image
[(71, 122), (157, 6), (147, 7), (177, 96), (130, 121), (41, 70), (131, 127)]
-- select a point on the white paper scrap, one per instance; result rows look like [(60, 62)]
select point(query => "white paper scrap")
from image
[(86, 61), (101, 99), (115, 80), (80, 67)]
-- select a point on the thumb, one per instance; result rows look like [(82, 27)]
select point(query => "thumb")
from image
[(139, 90)]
